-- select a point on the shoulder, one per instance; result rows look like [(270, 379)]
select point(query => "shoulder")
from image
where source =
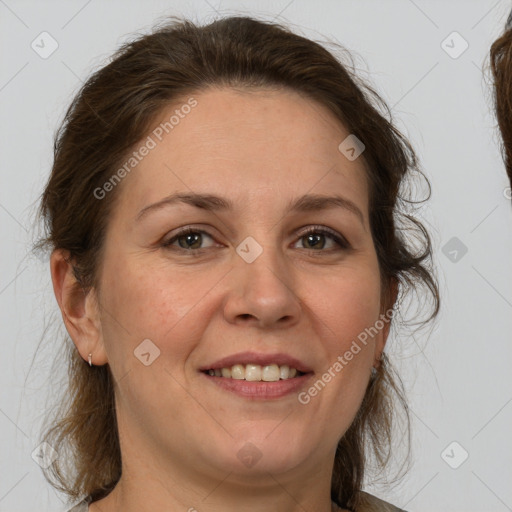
[(370, 503)]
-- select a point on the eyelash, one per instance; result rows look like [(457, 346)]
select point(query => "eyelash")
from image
[(338, 239)]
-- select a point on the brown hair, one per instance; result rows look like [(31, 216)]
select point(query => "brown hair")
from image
[(501, 68), (115, 109)]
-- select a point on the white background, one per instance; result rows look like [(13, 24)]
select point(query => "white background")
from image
[(457, 378)]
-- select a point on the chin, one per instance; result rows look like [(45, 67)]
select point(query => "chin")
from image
[(263, 454)]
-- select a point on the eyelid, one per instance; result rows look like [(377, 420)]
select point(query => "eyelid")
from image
[(337, 237), (185, 230)]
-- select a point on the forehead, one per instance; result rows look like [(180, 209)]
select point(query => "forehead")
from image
[(249, 143)]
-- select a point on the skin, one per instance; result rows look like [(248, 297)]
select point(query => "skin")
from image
[(179, 433)]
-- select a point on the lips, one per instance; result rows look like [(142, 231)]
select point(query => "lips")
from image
[(272, 386)]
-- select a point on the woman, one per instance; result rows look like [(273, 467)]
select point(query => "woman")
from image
[(221, 214)]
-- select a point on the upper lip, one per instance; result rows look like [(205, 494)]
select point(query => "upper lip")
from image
[(262, 359)]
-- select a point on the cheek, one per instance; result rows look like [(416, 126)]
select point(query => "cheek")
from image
[(346, 314), (155, 302), (149, 302), (346, 304)]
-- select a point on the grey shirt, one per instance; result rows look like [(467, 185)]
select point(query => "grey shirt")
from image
[(83, 506)]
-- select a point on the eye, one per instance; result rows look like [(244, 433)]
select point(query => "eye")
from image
[(188, 239), (316, 236)]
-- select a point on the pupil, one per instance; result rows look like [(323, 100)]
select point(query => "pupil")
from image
[(189, 240), (315, 239)]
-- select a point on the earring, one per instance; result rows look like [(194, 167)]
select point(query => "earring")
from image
[(374, 372), (90, 359)]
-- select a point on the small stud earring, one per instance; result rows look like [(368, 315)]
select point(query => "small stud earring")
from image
[(90, 359)]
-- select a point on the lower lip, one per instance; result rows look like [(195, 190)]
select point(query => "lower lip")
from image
[(260, 389)]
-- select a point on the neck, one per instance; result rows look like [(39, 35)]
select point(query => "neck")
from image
[(149, 484)]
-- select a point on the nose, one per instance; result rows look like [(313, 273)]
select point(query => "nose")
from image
[(262, 293)]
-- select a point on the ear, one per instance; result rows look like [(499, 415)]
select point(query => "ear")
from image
[(387, 305), (80, 309)]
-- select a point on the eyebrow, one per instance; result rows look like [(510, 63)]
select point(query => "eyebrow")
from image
[(210, 202)]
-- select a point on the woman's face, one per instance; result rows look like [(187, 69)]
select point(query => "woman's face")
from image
[(248, 278)]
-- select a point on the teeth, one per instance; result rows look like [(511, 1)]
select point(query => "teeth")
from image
[(270, 373), (238, 372), (256, 372), (252, 372)]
